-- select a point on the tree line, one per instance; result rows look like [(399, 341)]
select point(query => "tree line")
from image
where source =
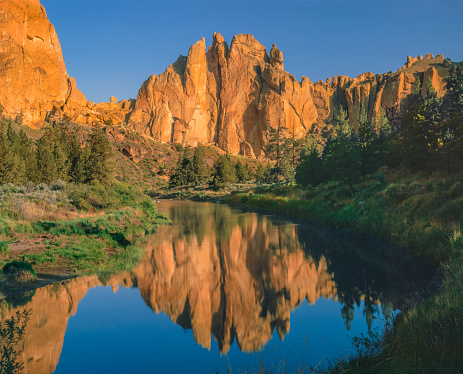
[(430, 140), (58, 154)]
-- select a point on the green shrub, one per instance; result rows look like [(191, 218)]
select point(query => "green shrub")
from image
[(3, 248), (18, 267)]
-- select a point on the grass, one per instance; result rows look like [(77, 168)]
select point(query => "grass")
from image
[(77, 228), (419, 213)]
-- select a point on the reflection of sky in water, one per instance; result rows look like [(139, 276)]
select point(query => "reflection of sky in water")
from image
[(119, 333)]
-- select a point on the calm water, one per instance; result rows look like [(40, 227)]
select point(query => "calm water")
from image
[(220, 288)]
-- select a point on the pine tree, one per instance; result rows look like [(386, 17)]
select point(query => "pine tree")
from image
[(224, 172), (364, 138), (183, 174), (46, 167), (275, 146), (200, 171), (310, 170), (241, 172), (78, 158), (98, 165)]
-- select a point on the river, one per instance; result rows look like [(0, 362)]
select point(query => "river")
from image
[(219, 289)]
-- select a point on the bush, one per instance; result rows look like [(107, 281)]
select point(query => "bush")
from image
[(19, 268)]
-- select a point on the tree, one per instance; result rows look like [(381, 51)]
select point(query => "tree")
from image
[(454, 85), (241, 172), (98, 165), (364, 139), (78, 158), (224, 172), (310, 170), (183, 173), (275, 146), (200, 171)]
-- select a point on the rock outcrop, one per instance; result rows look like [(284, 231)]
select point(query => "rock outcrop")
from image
[(223, 96), (230, 97), (33, 76), (236, 281)]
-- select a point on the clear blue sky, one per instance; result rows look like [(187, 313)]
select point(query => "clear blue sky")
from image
[(112, 46)]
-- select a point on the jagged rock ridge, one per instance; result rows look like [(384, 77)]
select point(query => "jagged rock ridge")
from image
[(230, 97), (223, 96)]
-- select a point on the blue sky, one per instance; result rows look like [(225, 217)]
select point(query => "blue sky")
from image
[(112, 46)]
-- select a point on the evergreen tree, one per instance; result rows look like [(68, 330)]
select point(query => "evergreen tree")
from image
[(78, 158), (10, 169), (260, 174), (275, 146), (200, 171), (310, 170), (241, 172), (454, 85), (364, 138), (46, 167), (224, 172), (98, 165), (183, 174)]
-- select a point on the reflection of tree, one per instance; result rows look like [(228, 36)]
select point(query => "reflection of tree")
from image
[(11, 334), (363, 269)]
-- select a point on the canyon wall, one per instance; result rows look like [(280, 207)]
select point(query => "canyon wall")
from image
[(226, 96), (230, 97)]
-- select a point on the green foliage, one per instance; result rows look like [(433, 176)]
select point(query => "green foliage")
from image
[(17, 267), (242, 172), (224, 172), (4, 248), (98, 165), (199, 166)]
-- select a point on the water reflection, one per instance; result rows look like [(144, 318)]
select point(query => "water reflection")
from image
[(231, 275)]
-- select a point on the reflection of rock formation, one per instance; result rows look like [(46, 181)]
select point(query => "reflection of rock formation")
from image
[(234, 287), (51, 308)]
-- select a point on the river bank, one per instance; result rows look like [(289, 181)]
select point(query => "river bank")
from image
[(54, 232), (421, 214)]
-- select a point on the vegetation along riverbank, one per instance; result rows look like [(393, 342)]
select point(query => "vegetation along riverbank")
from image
[(51, 229)]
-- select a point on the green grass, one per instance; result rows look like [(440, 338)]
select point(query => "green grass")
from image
[(112, 219)]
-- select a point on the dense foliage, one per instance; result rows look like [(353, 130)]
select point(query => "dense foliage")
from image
[(58, 154)]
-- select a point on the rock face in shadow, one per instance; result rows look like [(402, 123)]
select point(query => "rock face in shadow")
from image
[(51, 308)]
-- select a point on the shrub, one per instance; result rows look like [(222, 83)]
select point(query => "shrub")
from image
[(19, 268)]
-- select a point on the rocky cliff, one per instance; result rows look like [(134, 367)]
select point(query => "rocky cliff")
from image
[(227, 96), (230, 97), (33, 76)]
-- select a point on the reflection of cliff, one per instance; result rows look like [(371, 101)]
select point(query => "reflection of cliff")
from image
[(231, 275), (237, 280), (51, 308)]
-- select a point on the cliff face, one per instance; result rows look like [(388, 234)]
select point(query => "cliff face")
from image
[(221, 95), (225, 96), (230, 97), (33, 76), (51, 308)]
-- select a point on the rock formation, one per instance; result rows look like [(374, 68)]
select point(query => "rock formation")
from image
[(224, 96), (234, 282), (230, 97), (33, 76)]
